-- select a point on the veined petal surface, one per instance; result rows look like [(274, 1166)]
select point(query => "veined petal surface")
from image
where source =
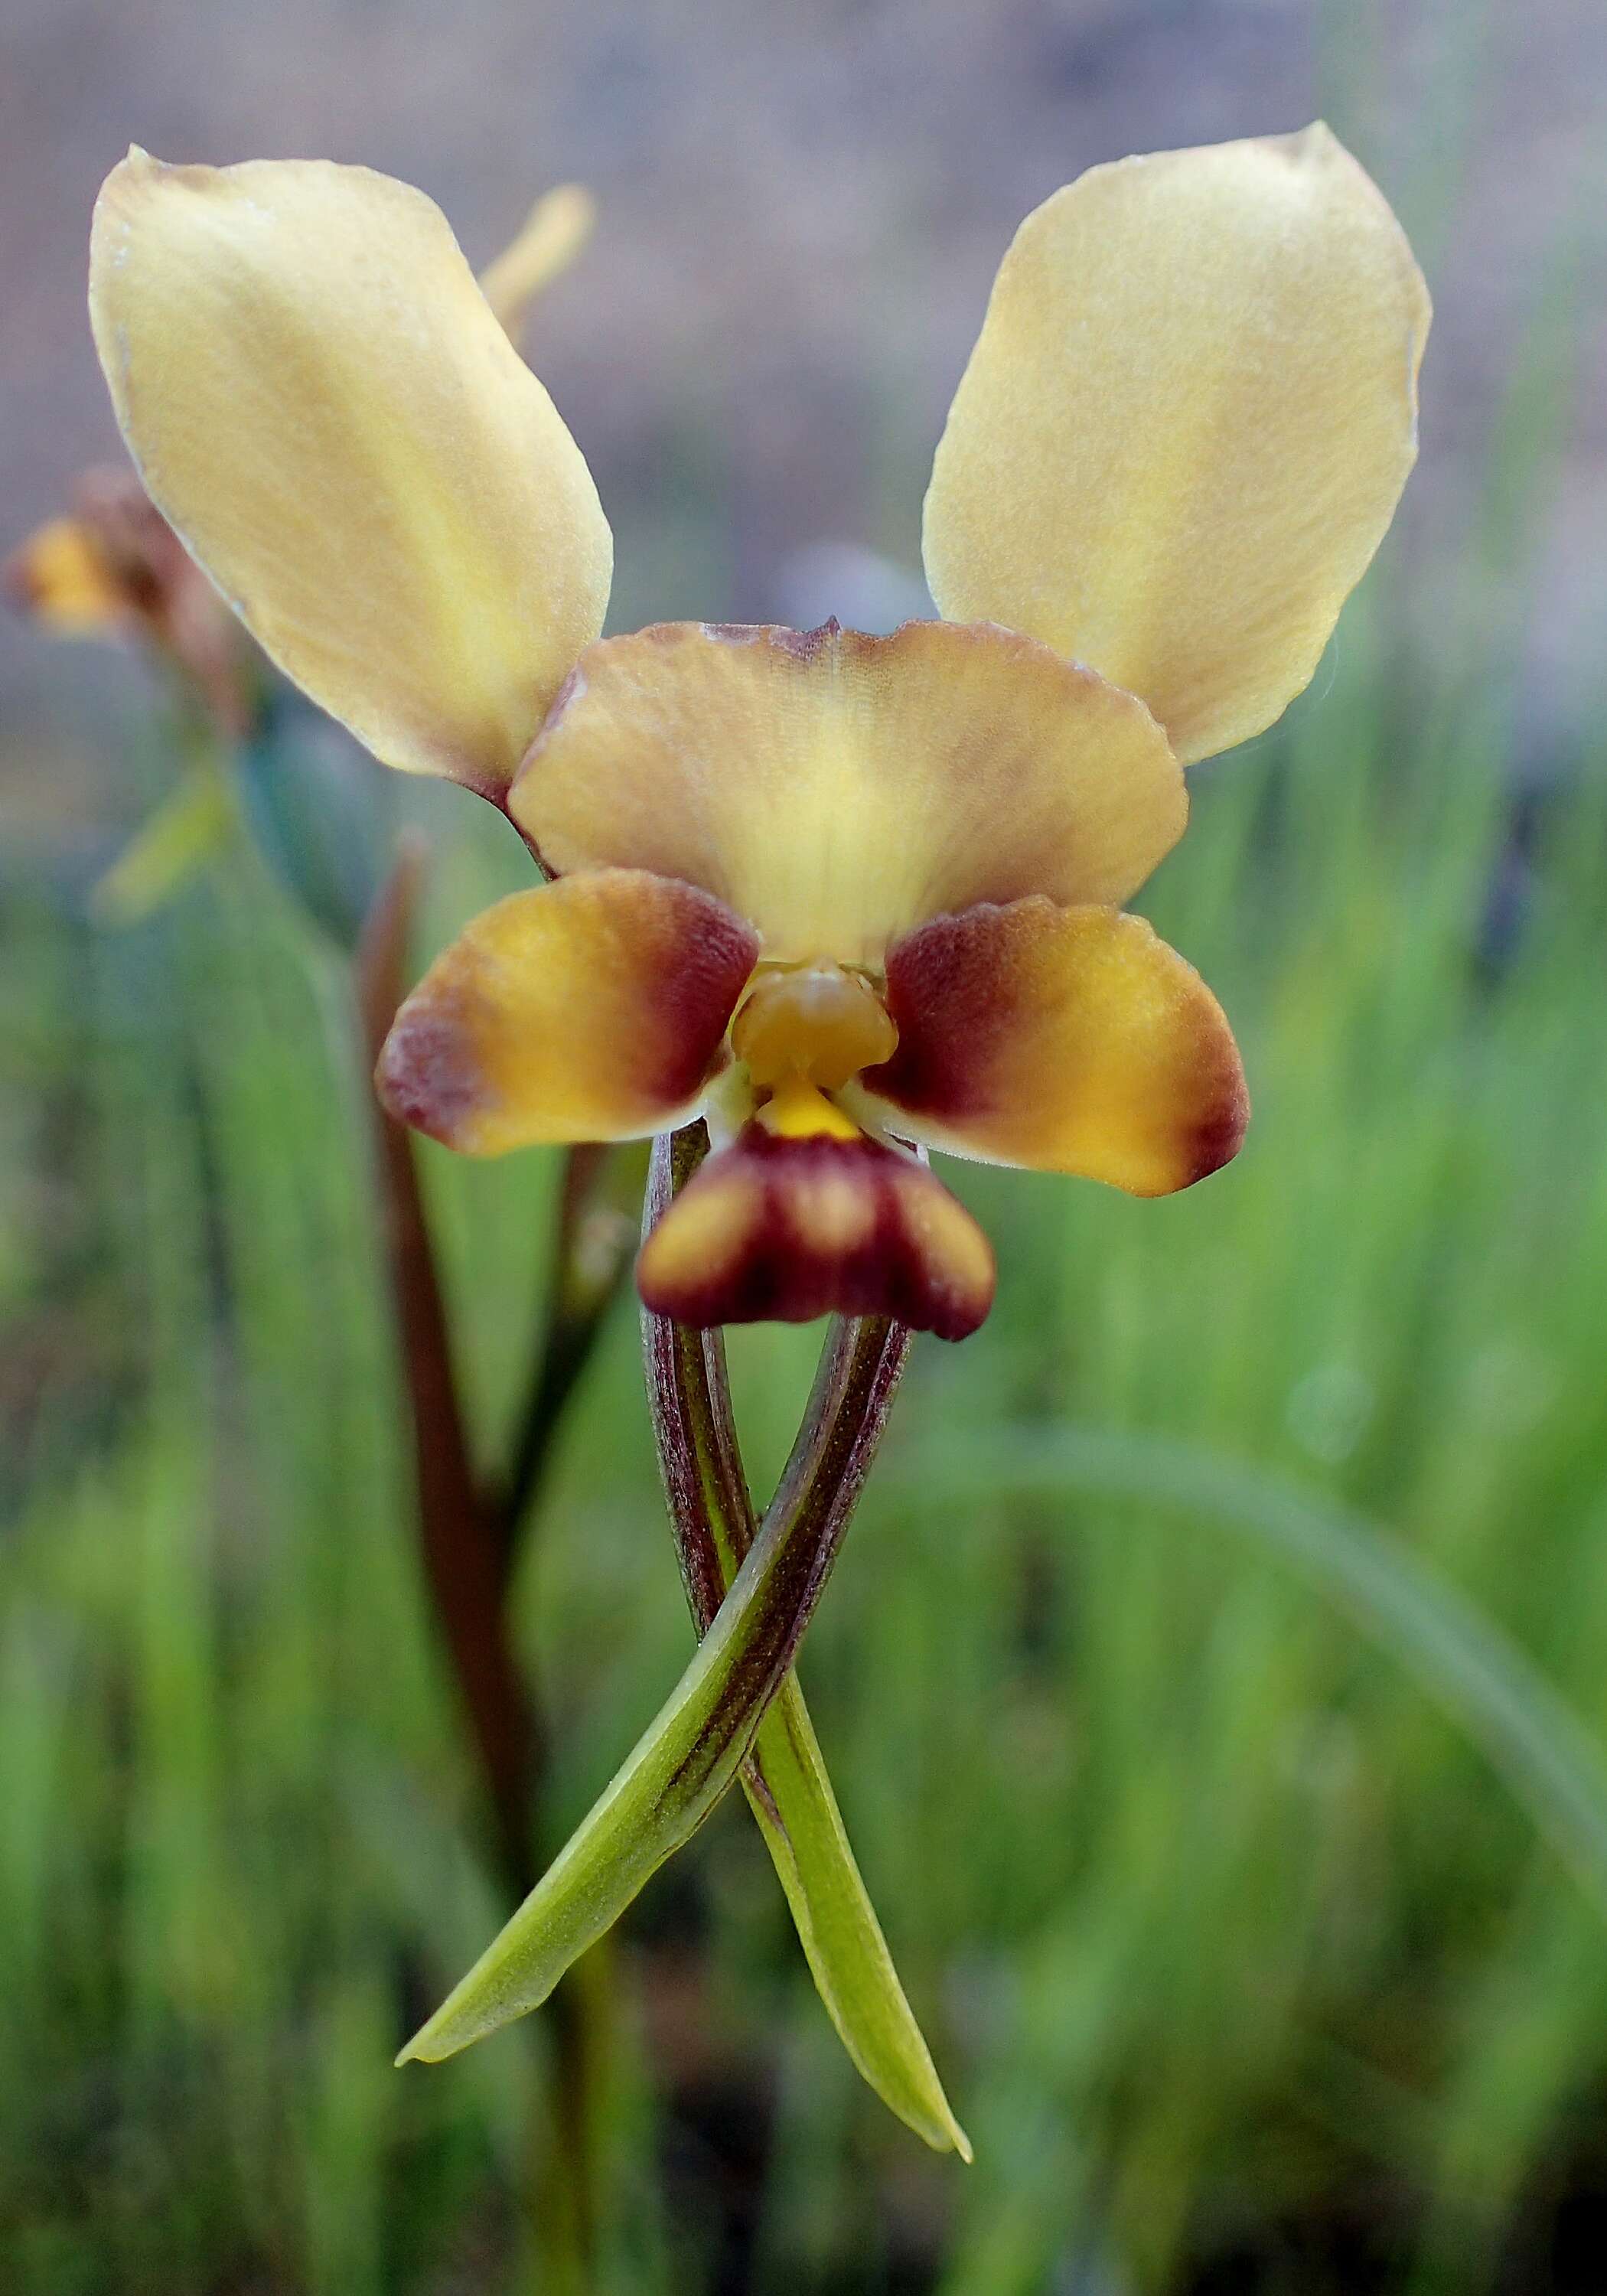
[(839, 789), (591, 1009), (320, 399), (1186, 425), (1068, 1040)]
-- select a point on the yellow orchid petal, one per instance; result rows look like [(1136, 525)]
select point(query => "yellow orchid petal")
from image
[(804, 1216), (61, 575), (839, 789), (552, 236), (591, 1009), (322, 402), (1071, 1040), (1186, 425)]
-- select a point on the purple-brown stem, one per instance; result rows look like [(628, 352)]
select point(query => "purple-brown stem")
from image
[(460, 1543), (590, 1259), (469, 1536), (704, 1479)]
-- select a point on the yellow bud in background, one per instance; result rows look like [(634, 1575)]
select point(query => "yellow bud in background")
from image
[(553, 234)]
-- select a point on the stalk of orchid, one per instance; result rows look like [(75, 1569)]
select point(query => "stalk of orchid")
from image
[(693, 1750), (838, 897), (783, 1775)]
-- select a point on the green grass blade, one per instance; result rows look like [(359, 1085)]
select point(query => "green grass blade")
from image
[(191, 824), (1554, 1768)]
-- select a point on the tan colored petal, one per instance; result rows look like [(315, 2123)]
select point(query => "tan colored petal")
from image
[(839, 789), (591, 1009), (1071, 1040), (322, 402), (1186, 425)]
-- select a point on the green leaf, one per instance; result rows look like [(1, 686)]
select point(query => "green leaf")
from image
[(690, 1754), (1554, 1768), (191, 824)]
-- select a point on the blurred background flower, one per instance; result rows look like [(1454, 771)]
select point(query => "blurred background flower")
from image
[(1170, 1768)]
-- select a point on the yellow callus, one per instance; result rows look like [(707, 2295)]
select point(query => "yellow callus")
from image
[(797, 1110)]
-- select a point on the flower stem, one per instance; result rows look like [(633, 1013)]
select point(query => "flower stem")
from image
[(458, 1542), (784, 1775), (693, 1750), (468, 1546), (592, 1248)]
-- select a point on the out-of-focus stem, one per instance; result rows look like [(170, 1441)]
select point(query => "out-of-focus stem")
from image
[(547, 242), (458, 1539), (592, 1248), (468, 1538)]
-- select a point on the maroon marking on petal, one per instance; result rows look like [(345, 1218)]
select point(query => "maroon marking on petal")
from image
[(802, 645), (704, 976), (673, 961), (933, 972), (970, 994), (1218, 1139), (429, 1075), (782, 1231)]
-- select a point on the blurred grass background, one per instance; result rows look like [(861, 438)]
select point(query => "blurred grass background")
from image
[(1245, 1968)]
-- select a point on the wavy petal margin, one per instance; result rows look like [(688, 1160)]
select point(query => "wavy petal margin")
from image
[(839, 788)]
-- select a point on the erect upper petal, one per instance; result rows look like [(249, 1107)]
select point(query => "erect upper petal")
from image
[(320, 399), (838, 789), (591, 1009), (1186, 425), (1072, 1040)]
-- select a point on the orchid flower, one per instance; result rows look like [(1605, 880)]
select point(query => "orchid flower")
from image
[(847, 897), (843, 898)]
